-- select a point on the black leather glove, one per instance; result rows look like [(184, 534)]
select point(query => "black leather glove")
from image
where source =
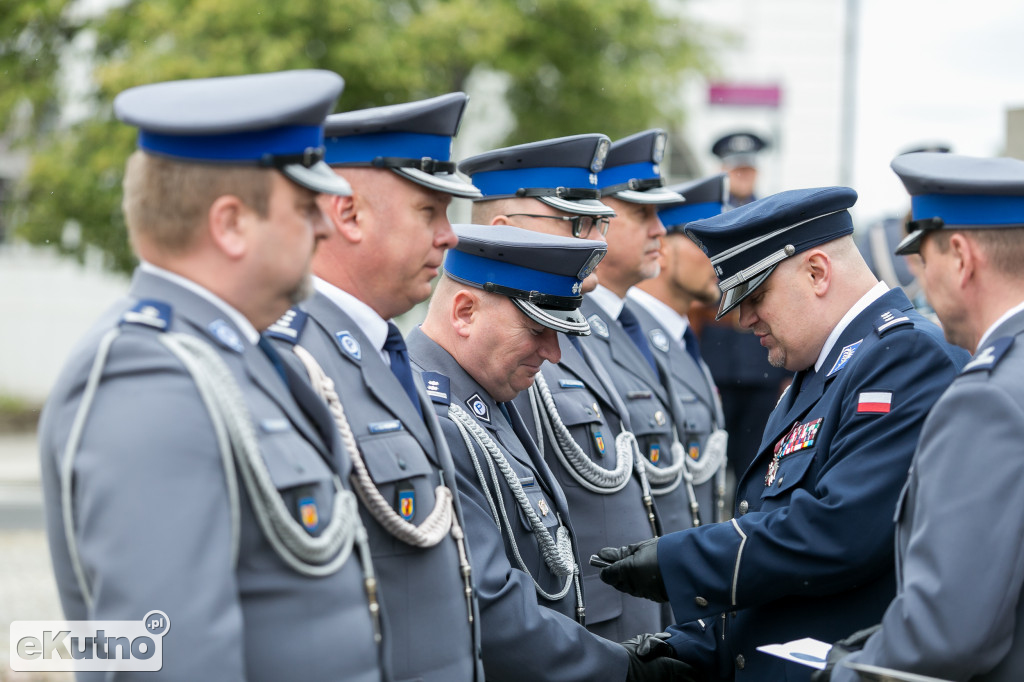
[(634, 570), (841, 650), (651, 658)]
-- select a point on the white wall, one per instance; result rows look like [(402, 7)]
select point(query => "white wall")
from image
[(46, 304)]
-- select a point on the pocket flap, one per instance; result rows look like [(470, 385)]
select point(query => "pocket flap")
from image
[(792, 469), (393, 456)]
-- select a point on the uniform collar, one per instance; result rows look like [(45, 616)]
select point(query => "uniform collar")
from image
[(373, 326), (873, 294), (240, 320), (608, 300), (672, 322), (1002, 318)]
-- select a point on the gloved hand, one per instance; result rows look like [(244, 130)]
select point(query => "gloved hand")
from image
[(634, 570), (651, 658), (841, 650)]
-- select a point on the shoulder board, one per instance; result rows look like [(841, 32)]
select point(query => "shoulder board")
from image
[(991, 354), (891, 319), (598, 326), (289, 327), (438, 387), (149, 313), (659, 339)]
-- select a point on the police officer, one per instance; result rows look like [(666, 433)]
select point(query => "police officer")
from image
[(661, 306), (631, 184), (738, 153), (492, 323), (572, 410), (810, 550), (180, 473), (749, 386), (952, 619), (386, 244)]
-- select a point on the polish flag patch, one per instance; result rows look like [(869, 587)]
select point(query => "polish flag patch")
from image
[(878, 402)]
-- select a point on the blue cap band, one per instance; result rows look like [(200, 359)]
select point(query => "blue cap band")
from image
[(508, 182), (250, 145), (969, 209), (479, 270), (616, 175), (366, 148), (684, 213)]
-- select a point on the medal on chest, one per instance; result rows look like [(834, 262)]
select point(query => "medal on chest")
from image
[(797, 438)]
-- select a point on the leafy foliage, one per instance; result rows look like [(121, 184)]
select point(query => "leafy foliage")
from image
[(572, 66)]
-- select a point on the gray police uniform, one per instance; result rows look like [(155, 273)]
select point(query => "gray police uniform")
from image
[(697, 410), (649, 406), (525, 636), (166, 399), (959, 558), (584, 398), (525, 563), (946, 620), (423, 590), (606, 496), (152, 511)]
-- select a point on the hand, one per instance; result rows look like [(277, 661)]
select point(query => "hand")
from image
[(841, 650), (651, 658), (634, 570)]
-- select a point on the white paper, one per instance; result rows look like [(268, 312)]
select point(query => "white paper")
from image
[(806, 651)]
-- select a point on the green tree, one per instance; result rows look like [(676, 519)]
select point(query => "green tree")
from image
[(571, 65)]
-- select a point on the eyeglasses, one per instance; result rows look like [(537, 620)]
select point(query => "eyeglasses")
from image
[(582, 225)]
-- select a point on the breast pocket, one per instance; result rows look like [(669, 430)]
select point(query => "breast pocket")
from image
[(792, 472), (652, 426), (585, 422), (302, 478), (401, 471)]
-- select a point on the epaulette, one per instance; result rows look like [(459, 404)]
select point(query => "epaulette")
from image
[(598, 326), (149, 313), (289, 326), (891, 319), (987, 358), (438, 387)]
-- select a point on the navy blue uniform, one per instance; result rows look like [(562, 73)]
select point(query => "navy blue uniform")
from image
[(810, 551)]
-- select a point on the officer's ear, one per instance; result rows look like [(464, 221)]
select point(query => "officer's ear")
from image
[(226, 224), (965, 256), (342, 216), (465, 310), (818, 271)]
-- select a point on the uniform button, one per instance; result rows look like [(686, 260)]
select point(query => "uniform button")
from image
[(701, 602), (744, 506), (401, 464), (741, 662)]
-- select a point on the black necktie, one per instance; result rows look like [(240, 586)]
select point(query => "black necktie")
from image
[(692, 345), (399, 354), (268, 349), (632, 327)]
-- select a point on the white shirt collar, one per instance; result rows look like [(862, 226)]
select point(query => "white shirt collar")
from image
[(1002, 318), (608, 300), (240, 320), (373, 326), (673, 323), (873, 294)]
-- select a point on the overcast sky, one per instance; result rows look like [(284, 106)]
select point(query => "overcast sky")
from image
[(933, 70)]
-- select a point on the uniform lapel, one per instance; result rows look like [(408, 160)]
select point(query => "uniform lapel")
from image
[(574, 361), (377, 376), (623, 352)]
